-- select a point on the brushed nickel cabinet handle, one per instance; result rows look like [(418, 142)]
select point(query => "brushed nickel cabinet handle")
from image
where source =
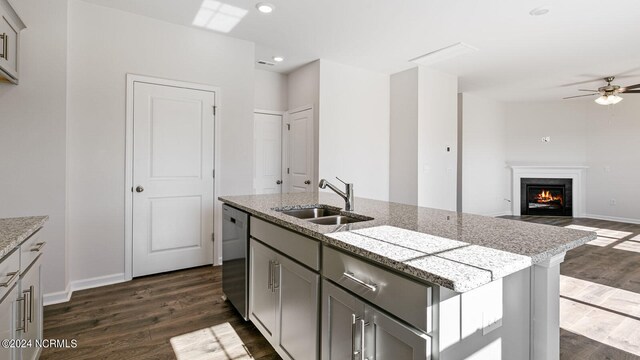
[(270, 281), (350, 276), (24, 310), (31, 307), (38, 246), (13, 275), (5, 46), (276, 276)]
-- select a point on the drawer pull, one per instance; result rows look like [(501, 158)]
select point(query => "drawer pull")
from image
[(350, 275), (38, 246), (13, 275), (5, 46)]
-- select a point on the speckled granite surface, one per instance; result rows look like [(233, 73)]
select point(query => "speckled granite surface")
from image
[(14, 231), (455, 250)]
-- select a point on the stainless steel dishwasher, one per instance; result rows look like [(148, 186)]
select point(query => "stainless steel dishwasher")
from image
[(235, 264)]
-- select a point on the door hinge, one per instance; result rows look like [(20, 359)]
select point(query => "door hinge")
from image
[(213, 237), (287, 170), (289, 127), (214, 173), (214, 110)]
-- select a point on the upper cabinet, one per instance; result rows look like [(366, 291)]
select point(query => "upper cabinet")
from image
[(10, 27)]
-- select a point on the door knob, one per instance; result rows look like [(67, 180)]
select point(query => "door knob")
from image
[(139, 188), (307, 182), (278, 182)]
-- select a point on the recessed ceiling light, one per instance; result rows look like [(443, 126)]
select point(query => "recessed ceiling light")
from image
[(542, 10), (264, 8), (278, 59)]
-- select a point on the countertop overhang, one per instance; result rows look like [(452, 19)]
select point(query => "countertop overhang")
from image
[(13, 231), (458, 251)]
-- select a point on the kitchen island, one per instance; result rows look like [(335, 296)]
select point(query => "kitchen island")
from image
[(469, 286)]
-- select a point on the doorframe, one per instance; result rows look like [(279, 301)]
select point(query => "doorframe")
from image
[(284, 146), (131, 79)]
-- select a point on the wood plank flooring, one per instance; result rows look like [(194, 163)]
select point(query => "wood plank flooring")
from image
[(135, 320)]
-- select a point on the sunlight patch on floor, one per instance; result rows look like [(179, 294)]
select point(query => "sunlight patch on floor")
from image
[(219, 342), (602, 241), (629, 246), (603, 313)]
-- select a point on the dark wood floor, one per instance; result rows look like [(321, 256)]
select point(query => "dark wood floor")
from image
[(135, 320), (603, 265)]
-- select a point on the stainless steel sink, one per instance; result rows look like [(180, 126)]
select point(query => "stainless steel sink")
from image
[(311, 213), (337, 220)]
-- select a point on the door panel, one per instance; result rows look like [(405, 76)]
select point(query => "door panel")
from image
[(262, 298), (340, 336), (301, 155), (172, 178), (267, 145), (387, 339), (298, 288)]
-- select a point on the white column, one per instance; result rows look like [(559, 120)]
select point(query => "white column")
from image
[(545, 309)]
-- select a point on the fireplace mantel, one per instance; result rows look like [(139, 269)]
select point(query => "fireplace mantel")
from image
[(578, 173)]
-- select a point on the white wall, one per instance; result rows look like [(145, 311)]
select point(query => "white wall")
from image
[(437, 130), (271, 91), (485, 176), (33, 132), (104, 45), (605, 138), (354, 128), (403, 138)]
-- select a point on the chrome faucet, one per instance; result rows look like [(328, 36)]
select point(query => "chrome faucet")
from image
[(347, 195)]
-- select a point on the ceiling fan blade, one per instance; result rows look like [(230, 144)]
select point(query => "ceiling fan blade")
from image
[(632, 92), (588, 90), (630, 87), (571, 97)]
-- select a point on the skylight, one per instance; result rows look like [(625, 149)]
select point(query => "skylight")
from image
[(218, 16)]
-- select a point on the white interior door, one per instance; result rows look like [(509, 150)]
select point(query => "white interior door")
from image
[(301, 151), (173, 157), (267, 147)]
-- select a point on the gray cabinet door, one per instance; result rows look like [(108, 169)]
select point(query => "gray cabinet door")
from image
[(10, 319), (297, 309), (30, 284), (387, 339), (262, 295), (341, 323)]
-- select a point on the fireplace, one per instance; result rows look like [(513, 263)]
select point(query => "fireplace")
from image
[(551, 197)]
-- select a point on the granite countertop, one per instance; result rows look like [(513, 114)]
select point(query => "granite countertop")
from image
[(13, 231), (455, 250)]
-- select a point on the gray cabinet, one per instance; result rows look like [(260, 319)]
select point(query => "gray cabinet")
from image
[(10, 27), (283, 302), (32, 295), (8, 320), (353, 329)]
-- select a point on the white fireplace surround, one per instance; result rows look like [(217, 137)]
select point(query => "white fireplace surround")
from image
[(577, 173)]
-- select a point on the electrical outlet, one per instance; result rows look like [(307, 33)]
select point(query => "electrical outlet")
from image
[(546, 139), (612, 202)]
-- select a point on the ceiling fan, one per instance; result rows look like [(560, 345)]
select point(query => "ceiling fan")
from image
[(609, 95)]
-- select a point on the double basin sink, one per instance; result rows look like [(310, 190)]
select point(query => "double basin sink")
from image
[(323, 215)]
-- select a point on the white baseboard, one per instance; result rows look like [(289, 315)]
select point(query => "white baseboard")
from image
[(64, 296), (613, 218), (504, 213)]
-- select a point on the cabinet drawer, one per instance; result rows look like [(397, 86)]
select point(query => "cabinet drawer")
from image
[(29, 250), (301, 248), (9, 272), (8, 46), (407, 299)]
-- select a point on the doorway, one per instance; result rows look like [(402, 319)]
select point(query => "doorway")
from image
[(267, 152), (170, 175)]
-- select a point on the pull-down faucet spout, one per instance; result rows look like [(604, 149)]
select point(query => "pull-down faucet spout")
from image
[(347, 195)]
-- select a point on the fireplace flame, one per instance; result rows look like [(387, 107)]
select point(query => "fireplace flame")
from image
[(545, 196)]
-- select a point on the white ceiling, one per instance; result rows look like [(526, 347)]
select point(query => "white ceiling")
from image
[(520, 57)]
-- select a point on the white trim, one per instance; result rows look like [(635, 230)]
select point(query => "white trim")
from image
[(269, 112), (128, 213), (64, 296), (613, 218), (299, 109), (575, 172)]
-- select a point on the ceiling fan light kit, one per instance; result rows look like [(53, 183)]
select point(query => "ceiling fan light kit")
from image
[(608, 100)]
